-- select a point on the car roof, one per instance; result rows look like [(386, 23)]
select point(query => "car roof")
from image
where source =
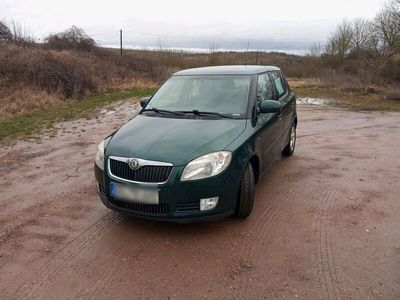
[(227, 70)]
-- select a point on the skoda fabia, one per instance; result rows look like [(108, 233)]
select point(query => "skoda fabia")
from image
[(199, 145)]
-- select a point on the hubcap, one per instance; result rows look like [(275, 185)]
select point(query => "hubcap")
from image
[(292, 138)]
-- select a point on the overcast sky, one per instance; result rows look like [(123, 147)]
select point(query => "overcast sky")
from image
[(298, 23)]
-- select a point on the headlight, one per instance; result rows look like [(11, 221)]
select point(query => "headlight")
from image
[(99, 159), (207, 166)]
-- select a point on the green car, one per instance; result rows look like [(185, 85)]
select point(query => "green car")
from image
[(199, 145)]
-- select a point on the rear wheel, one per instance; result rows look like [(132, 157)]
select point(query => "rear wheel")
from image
[(246, 193), (289, 148)]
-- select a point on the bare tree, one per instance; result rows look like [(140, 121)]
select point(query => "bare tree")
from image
[(387, 26), (339, 43), (393, 8), (15, 33), (361, 35), (316, 50), (5, 33)]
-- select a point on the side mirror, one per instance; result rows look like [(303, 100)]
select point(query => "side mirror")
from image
[(270, 106), (144, 101)]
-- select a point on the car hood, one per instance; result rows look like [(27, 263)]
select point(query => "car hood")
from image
[(172, 140)]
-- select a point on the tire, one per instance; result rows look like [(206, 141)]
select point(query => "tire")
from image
[(291, 145), (246, 193)]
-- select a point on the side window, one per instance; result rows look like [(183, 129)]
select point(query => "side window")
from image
[(265, 89), (280, 84)]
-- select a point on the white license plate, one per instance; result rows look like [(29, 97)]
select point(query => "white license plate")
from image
[(133, 193)]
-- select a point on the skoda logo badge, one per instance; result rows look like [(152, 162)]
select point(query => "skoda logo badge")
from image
[(134, 164)]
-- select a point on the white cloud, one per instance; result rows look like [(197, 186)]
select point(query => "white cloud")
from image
[(308, 20)]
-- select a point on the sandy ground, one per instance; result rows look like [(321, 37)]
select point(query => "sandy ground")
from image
[(326, 222)]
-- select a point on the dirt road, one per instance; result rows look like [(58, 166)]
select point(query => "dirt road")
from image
[(326, 222)]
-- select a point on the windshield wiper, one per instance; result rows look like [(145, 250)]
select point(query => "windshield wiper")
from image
[(208, 113), (156, 110)]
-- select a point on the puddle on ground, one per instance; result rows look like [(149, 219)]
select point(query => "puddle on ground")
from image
[(107, 112), (312, 101)]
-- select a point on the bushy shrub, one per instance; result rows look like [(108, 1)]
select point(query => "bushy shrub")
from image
[(42, 69), (72, 38)]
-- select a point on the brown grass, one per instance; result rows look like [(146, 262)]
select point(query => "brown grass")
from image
[(393, 93), (34, 78), (25, 100), (37, 68), (354, 99), (73, 73)]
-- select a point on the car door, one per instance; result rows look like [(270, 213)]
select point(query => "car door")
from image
[(287, 99), (269, 124)]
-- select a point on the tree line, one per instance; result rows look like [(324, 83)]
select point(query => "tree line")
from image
[(379, 36)]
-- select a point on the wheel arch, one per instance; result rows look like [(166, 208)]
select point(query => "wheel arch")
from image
[(255, 163)]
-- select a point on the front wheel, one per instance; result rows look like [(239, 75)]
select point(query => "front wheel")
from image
[(246, 193), (289, 148)]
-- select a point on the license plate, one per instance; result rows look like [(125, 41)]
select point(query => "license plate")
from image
[(134, 193)]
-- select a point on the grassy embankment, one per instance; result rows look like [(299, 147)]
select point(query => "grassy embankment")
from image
[(357, 100), (28, 124)]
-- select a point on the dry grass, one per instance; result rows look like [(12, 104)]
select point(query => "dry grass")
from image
[(393, 93), (25, 100), (301, 82), (34, 78), (33, 67), (354, 99), (131, 84), (73, 73)]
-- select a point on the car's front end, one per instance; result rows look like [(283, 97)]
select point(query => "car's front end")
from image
[(161, 190)]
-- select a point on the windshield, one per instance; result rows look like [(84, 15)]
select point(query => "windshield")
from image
[(225, 94)]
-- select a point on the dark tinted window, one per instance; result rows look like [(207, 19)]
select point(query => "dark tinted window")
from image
[(265, 90)]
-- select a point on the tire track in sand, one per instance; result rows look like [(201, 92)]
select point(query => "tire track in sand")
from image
[(272, 213), (323, 253), (265, 224), (50, 271), (100, 288)]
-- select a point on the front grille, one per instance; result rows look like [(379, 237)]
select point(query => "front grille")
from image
[(153, 209), (187, 207), (144, 174)]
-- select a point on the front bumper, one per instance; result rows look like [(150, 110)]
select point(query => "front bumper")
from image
[(178, 201)]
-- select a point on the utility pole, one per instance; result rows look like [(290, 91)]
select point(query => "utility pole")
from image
[(120, 41), (257, 57)]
